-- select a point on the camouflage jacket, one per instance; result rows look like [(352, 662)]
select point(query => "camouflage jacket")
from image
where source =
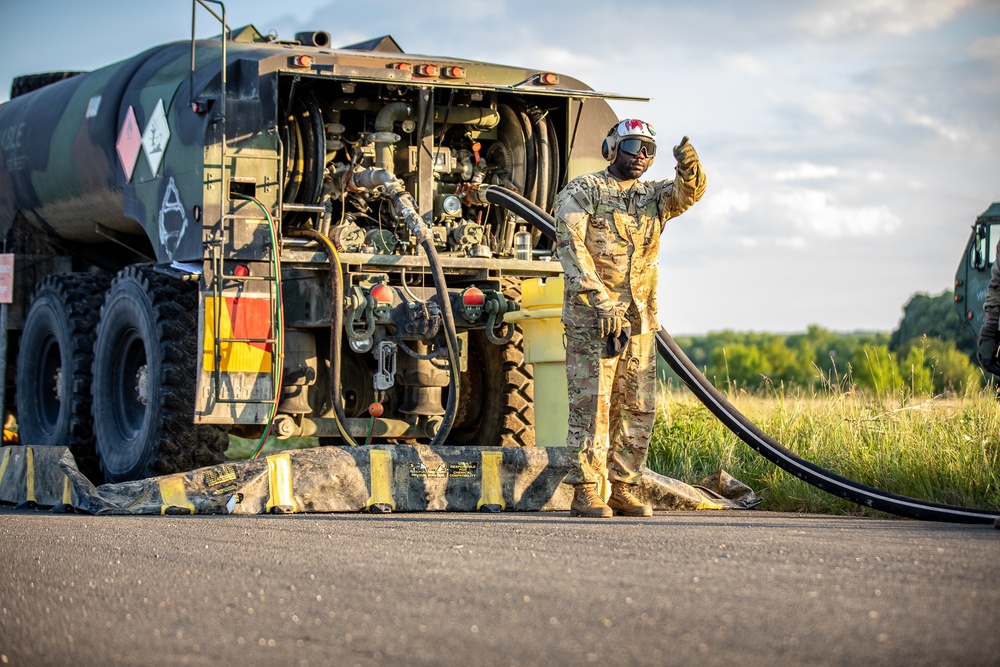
[(608, 241), (992, 303)]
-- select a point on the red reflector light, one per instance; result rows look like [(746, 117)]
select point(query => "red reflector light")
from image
[(473, 297), (548, 79), (302, 61), (454, 72), (403, 67), (381, 294), (241, 271), (428, 70)]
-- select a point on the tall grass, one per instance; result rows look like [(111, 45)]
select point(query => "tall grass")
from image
[(942, 449)]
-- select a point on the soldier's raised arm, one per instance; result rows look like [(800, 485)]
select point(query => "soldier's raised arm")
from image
[(688, 186)]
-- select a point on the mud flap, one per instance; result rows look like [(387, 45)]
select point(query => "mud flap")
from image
[(377, 478)]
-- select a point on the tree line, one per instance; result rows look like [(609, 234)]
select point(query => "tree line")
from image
[(930, 352)]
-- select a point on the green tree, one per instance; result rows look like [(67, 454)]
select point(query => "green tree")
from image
[(739, 364), (934, 317), (914, 372), (873, 367), (950, 369)]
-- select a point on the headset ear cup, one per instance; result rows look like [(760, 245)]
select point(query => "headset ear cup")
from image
[(608, 148)]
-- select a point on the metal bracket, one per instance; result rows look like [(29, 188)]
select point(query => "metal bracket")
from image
[(385, 356), (496, 306)]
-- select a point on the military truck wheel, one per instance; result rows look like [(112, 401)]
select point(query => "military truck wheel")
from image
[(145, 377), (54, 366), (22, 85), (497, 398)]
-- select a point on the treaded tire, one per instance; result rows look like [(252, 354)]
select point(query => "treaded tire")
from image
[(145, 378), (54, 366), (22, 85), (497, 399)]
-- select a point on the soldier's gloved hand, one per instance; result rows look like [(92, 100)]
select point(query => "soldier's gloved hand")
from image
[(989, 343), (687, 158), (608, 322)]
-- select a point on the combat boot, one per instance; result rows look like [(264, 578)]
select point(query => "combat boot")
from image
[(624, 503), (587, 503)]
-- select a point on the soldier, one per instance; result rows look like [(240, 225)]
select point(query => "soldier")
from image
[(988, 352), (608, 227), (989, 339)]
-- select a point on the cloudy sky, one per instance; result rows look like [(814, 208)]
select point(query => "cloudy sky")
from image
[(849, 144)]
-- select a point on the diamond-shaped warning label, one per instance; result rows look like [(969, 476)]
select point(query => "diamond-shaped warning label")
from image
[(129, 144), (155, 137)]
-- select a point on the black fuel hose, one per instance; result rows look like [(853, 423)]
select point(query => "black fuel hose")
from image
[(336, 329), (736, 422), (405, 209)]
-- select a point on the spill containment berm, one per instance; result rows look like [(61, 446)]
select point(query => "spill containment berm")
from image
[(377, 478)]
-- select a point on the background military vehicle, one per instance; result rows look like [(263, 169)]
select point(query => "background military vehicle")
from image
[(243, 234), (973, 275)]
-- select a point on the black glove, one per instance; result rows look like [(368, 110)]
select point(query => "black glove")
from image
[(615, 344), (687, 158), (989, 343)]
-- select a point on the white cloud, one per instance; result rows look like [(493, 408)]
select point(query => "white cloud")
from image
[(807, 171), (923, 120), (987, 48), (887, 17), (745, 64), (717, 208), (814, 211), (835, 110)]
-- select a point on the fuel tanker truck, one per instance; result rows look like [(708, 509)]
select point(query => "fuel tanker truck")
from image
[(248, 235)]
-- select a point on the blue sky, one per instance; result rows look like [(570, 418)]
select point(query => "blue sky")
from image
[(849, 144)]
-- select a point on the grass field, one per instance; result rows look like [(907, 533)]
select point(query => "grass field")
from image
[(943, 449)]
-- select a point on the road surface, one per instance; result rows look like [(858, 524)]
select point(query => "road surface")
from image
[(698, 588)]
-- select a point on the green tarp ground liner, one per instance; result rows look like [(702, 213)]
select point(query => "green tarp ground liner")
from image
[(399, 478)]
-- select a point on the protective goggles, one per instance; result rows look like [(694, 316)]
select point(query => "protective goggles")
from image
[(632, 146)]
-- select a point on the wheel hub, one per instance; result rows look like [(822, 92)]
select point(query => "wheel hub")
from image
[(57, 385), (142, 384)]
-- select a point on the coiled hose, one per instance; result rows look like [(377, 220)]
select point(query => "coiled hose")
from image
[(736, 422)]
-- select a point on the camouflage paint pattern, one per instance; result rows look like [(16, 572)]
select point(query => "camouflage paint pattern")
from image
[(608, 242), (991, 304), (612, 405), (344, 479), (974, 278)]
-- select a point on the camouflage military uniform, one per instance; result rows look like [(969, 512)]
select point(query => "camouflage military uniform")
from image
[(989, 338), (992, 303), (608, 241)]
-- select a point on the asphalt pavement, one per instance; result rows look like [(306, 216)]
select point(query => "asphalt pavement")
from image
[(692, 588)]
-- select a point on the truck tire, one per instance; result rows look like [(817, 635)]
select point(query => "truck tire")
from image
[(54, 366), (22, 85), (497, 399), (145, 378)]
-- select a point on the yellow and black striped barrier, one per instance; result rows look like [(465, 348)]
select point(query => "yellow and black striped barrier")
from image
[(377, 478)]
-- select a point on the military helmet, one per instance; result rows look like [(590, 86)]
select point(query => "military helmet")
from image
[(631, 128)]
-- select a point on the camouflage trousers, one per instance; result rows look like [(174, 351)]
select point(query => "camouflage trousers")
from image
[(612, 405)]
